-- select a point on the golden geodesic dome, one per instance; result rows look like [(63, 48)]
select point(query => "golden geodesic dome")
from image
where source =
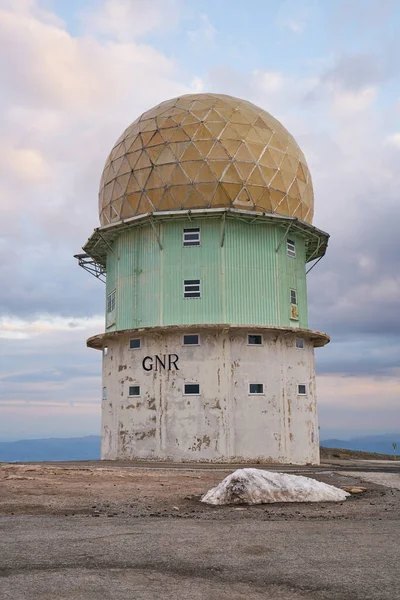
[(205, 151)]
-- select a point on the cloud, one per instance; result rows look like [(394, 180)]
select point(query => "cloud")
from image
[(19, 329), (50, 382), (394, 139), (354, 290), (64, 102), (295, 16), (127, 20), (66, 98), (204, 33), (359, 71), (295, 26), (350, 405), (270, 81), (349, 103)]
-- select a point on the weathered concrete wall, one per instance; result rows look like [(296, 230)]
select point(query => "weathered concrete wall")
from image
[(224, 422)]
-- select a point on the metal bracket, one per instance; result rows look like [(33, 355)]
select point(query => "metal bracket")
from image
[(312, 266), (156, 234), (108, 243), (223, 229), (91, 266), (284, 236), (316, 252)]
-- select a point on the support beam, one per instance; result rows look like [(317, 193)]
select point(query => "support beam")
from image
[(107, 243), (156, 234), (91, 266), (315, 253), (284, 236), (223, 230), (312, 266)]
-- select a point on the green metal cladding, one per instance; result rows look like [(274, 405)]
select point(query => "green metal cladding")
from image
[(245, 280)]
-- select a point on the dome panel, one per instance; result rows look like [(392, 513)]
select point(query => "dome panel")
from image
[(205, 150)]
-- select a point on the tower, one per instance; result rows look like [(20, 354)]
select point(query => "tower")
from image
[(206, 207)]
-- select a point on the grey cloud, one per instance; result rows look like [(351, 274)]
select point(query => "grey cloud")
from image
[(336, 422), (364, 355), (357, 71), (57, 374), (50, 386), (47, 220), (356, 287), (50, 367)]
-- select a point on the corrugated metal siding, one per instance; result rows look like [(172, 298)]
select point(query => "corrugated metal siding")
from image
[(292, 275), (250, 274), (139, 279), (149, 296), (126, 279), (202, 263), (111, 280), (244, 282)]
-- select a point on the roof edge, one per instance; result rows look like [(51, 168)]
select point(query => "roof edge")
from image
[(99, 341), (102, 238)]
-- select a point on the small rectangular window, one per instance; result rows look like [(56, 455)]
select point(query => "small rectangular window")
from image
[(291, 248), (293, 297), (302, 389), (134, 390), (191, 339), (134, 344), (104, 393), (256, 388), (191, 288), (299, 343), (105, 351), (111, 302), (191, 237), (192, 389), (254, 340)]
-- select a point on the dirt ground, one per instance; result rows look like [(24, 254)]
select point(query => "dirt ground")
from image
[(57, 539), (109, 491)]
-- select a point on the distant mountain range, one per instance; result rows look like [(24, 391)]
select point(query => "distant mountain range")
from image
[(371, 443), (59, 449), (88, 447)]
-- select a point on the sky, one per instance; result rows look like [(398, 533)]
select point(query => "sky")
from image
[(75, 74)]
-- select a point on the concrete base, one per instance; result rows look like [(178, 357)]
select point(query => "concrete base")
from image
[(224, 422)]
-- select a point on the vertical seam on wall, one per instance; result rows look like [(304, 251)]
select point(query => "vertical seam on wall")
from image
[(118, 289), (285, 406), (161, 280), (277, 279), (229, 396), (136, 273), (222, 270)]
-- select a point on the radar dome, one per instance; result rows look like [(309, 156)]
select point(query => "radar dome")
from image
[(205, 151)]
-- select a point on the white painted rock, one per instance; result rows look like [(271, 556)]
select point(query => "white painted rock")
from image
[(255, 486)]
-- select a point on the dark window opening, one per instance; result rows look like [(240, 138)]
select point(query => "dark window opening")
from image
[(291, 248), (191, 339), (191, 288), (253, 339), (192, 388), (111, 302), (191, 237), (256, 388)]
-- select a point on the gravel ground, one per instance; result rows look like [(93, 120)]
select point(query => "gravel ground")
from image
[(391, 480), (79, 558)]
